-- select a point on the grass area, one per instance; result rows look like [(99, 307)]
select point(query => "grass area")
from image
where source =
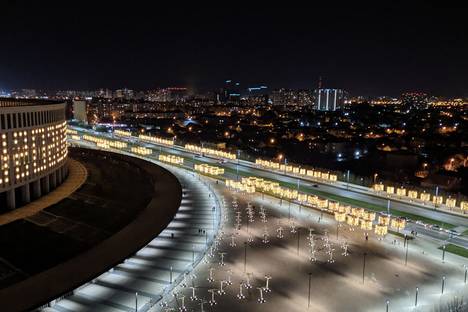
[(352, 202), (465, 233), (330, 196), (400, 235), (457, 250)]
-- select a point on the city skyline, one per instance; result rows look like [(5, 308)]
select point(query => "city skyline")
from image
[(369, 51)]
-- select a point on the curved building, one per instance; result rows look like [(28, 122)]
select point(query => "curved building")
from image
[(33, 149)]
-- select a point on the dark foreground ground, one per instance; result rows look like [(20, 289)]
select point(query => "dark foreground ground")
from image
[(115, 192)]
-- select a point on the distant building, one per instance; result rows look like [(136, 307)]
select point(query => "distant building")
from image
[(287, 97), (230, 92), (415, 100), (79, 111), (329, 99), (124, 94)]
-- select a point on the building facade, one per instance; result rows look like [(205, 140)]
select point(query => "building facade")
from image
[(80, 112), (329, 99), (33, 158)]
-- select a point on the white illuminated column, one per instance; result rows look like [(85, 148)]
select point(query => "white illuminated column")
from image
[(202, 303), (330, 253), (311, 241), (248, 285), (345, 249), (184, 280), (212, 302), (279, 232), (293, 227), (261, 299), (210, 275), (233, 241), (182, 307), (312, 257), (267, 281), (228, 281), (193, 297), (240, 295), (221, 290), (222, 254)]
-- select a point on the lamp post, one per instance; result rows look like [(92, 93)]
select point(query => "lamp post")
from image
[(193, 255), (136, 302), (364, 266), (308, 301), (443, 284), (298, 238), (347, 180), (237, 167), (466, 271), (443, 254), (387, 303), (245, 256), (416, 297), (406, 254)]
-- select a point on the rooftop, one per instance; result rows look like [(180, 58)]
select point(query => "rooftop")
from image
[(14, 102)]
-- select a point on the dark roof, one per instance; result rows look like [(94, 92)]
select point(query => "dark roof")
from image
[(13, 102)]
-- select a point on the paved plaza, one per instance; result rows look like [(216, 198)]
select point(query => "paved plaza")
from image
[(335, 264), (77, 175), (271, 254)]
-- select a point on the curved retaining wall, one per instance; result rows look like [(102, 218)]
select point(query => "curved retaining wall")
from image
[(48, 285)]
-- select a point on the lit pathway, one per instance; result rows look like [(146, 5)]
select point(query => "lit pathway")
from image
[(77, 175), (148, 272)]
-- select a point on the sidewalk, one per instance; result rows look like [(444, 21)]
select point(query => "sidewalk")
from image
[(76, 177)]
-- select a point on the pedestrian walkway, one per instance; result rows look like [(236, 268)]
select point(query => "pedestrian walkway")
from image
[(77, 175), (142, 280)]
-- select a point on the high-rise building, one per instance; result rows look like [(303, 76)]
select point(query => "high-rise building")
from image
[(124, 94), (33, 155), (79, 111), (287, 97), (415, 100), (329, 99)]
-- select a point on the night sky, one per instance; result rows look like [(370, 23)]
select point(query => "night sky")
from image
[(363, 49)]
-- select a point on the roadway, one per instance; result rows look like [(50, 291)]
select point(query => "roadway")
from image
[(343, 278), (354, 193)]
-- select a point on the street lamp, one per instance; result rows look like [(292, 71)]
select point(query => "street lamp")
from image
[(308, 301), (443, 254), (416, 297), (466, 271), (347, 180), (245, 256), (443, 285), (237, 167), (406, 254), (363, 266)]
